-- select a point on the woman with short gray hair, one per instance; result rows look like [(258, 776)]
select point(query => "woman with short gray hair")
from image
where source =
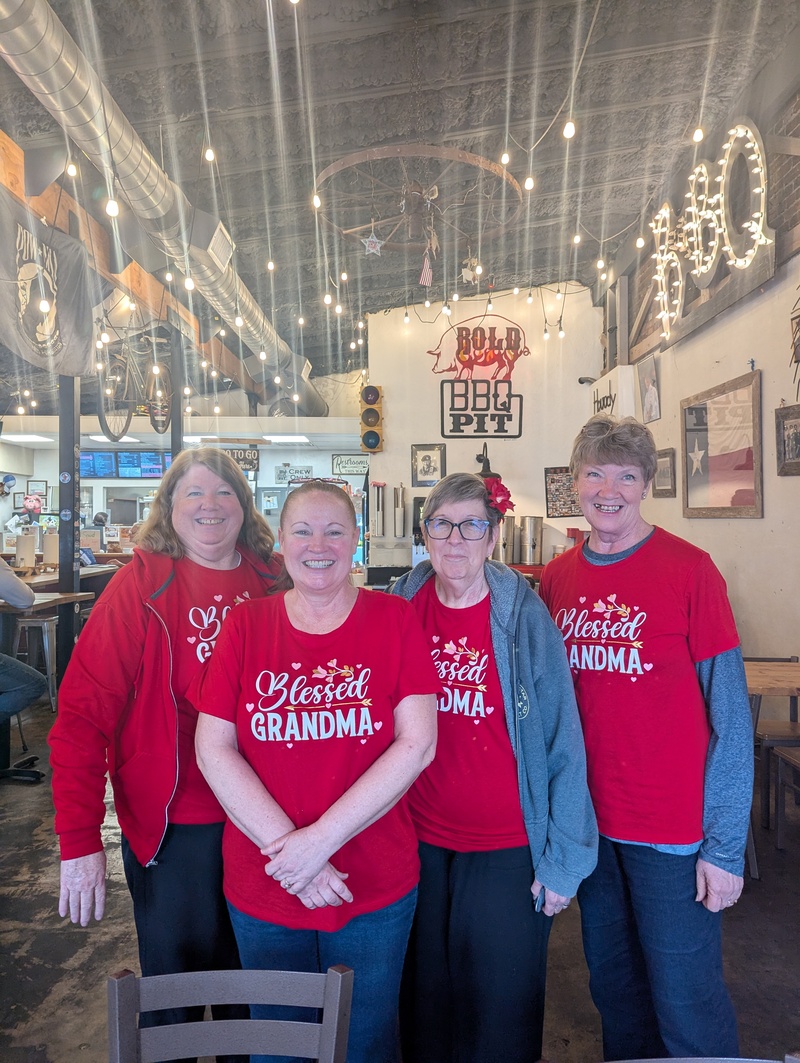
[(505, 825)]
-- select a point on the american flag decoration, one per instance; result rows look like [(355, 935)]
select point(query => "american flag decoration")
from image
[(426, 276)]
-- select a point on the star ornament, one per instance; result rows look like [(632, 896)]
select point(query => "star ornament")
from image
[(373, 244), (697, 456)]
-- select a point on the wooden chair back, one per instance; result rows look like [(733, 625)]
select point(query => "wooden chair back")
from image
[(326, 1040)]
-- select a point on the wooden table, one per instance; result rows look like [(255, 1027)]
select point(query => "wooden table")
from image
[(772, 679), (8, 619)]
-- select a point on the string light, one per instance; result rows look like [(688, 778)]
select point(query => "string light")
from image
[(601, 263), (505, 158), (72, 169), (338, 308), (530, 295), (216, 408), (276, 380), (569, 129), (270, 265), (640, 242), (168, 276), (489, 306), (546, 333), (209, 154), (698, 135), (576, 239), (104, 337), (529, 183), (327, 298), (406, 318), (262, 355), (301, 321), (316, 201), (44, 306), (238, 320), (188, 284)]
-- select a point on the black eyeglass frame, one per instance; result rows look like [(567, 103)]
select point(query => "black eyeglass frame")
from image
[(470, 520)]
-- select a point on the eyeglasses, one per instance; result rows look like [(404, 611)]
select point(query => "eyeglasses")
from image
[(471, 530)]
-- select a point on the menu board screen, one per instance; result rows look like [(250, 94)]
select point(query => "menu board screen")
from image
[(140, 464), (98, 463)]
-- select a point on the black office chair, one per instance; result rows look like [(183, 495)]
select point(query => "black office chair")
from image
[(324, 1040)]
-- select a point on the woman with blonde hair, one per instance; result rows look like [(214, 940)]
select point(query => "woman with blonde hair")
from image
[(123, 711)]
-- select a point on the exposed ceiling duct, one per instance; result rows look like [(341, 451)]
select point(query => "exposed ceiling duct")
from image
[(41, 52)]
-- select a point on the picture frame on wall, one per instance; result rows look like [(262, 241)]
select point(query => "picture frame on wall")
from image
[(428, 464), (561, 497), (664, 482), (38, 487), (787, 440), (649, 376), (18, 499), (721, 450)]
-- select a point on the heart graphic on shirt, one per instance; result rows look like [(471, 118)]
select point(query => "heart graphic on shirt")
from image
[(582, 600), (378, 724), (647, 667), (363, 741), (289, 745), (476, 722), (434, 638), (489, 710), (633, 678), (217, 597), (250, 706), (295, 665), (191, 639)]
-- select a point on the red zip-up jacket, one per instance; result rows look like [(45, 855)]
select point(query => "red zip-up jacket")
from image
[(117, 711)]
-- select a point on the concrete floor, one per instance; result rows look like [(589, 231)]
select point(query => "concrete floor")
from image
[(52, 988)]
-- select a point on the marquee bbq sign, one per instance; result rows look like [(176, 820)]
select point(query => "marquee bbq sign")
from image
[(479, 401)]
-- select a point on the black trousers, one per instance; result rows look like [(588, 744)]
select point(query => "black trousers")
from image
[(474, 981), (181, 917)]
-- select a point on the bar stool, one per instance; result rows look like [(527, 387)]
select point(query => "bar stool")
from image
[(46, 626)]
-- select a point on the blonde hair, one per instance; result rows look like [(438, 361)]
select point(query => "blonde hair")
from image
[(157, 533)]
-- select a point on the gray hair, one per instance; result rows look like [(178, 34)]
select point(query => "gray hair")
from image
[(606, 440), (461, 487)]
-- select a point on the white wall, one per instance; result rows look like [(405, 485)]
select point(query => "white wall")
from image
[(759, 558)]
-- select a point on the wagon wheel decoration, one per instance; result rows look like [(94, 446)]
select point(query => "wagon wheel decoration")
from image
[(410, 195)]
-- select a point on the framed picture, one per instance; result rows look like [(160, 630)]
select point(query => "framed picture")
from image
[(787, 440), (37, 487), (650, 387), (427, 464), (560, 494), (721, 450), (664, 483), (350, 464), (19, 498)]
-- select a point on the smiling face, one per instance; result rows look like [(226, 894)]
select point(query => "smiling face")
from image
[(458, 562), (318, 538), (207, 517), (610, 497)]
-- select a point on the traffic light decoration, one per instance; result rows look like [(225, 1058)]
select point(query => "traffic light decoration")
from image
[(371, 419)]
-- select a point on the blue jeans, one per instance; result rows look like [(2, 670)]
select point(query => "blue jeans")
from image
[(655, 957), (19, 686), (373, 944)]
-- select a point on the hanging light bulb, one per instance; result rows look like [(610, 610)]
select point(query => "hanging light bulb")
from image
[(44, 306), (188, 284), (569, 129), (276, 380), (427, 303), (187, 390), (640, 242), (209, 154), (222, 332), (301, 321), (316, 201), (344, 274), (601, 263), (406, 318), (529, 183), (187, 409), (262, 355), (238, 320), (156, 370), (168, 276), (559, 294), (216, 408), (478, 270), (327, 299), (72, 169), (546, 333), (446, 310), (516, 290), (698, 135), (99, 367), (34, 404), (295, 397), (98, 345), (20, 410), (353, 345), (505, 158), (360, 341), (603, 276), (159, 393), (270, 265), (455, 297), (112, 207), (576, 239), (204, 364), (338, 308), (214, 373), (530, 296), (490, 306), (26, 394), (360, 323), (561, 332), (104, 337)]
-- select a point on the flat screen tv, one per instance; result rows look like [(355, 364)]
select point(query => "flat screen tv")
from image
[(98, 464), (140, 464)]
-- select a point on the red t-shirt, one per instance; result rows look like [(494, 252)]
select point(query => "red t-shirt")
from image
[(468, 798), (312, 713), (634, 631), (207, 595)]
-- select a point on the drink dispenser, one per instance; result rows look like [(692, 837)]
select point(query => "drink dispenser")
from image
[(531, 540)]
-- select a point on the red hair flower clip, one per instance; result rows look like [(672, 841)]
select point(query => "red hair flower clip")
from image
[(499, 495)]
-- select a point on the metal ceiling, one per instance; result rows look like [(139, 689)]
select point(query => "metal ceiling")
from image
[(284, 92)]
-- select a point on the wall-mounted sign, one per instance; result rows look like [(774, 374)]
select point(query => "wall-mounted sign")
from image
[(349, 464), (613, 394), (245, 457), (481, 353), (285, 473)]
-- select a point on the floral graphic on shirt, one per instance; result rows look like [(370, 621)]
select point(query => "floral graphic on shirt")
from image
[(610, 644), (463, 672), (332, 701)]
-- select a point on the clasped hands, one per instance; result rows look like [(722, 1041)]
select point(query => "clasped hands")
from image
[(299, 862)]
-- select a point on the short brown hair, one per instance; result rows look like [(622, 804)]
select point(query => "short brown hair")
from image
[(158, 535), (606, 440)]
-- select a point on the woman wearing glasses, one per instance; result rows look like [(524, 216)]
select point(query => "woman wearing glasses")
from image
[(505, 824)]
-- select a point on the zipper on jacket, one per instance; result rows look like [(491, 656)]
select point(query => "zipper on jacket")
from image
[(152, 862)]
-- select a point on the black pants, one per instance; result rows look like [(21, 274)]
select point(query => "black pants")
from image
[(181, 917), (474, 981)]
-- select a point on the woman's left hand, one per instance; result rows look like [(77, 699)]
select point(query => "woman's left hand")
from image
[(296, 859), (553, 902), (716, 889)]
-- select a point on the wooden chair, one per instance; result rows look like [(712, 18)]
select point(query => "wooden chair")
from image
[(788, 768), (773, 734), (325, 1040)]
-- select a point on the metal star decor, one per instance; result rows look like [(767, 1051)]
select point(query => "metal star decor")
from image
[(373, 244)]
